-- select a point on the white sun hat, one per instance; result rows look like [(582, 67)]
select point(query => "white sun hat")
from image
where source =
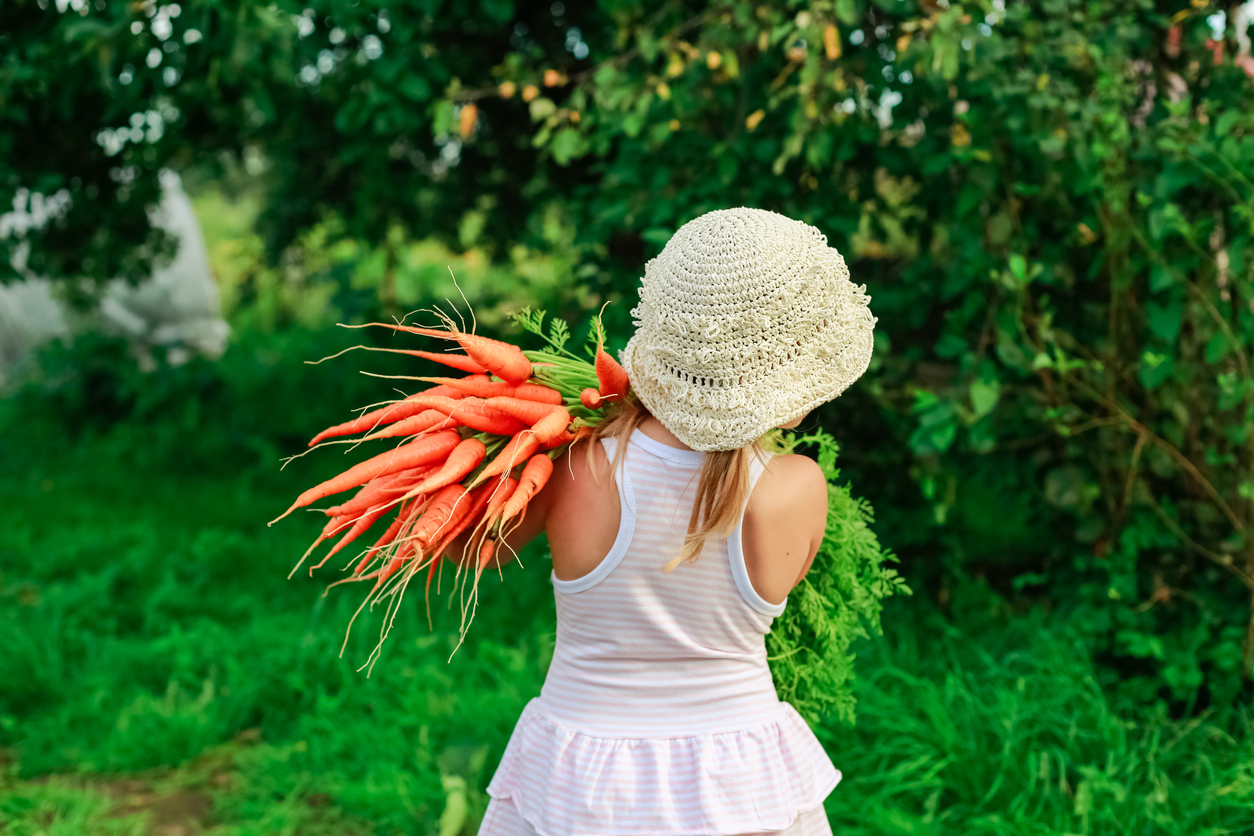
[(747, 320)]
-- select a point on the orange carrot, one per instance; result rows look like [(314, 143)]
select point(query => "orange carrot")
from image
[(437, 516), (534, 477), (379, 490), (471, 412), (389, 570), (484, 388), (425, 450), (552, 425), (500, 495), (360, 527), (591, 398), (414, 425), (384, 415), (485, 553), (402, 517), (479, 499), (502, 359), (529, 412), (611, 377), (519, 448), (464, 458), (457, 361), (557, 441)]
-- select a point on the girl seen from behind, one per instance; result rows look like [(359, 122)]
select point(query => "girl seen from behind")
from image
[(676, 537)]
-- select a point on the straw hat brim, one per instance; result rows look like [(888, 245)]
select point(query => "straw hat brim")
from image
[(732, 417)]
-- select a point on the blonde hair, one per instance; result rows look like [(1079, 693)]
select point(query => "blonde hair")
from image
[(722, 490)]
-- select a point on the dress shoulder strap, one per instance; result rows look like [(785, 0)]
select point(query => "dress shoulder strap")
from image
[(758, 463)]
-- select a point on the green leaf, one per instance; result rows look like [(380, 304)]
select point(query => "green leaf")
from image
[(497, 11), (847, 11), (984, 396), (415, 88), (559, 333), (657, 235), (567, 144), (1155, 369), (541, 107), (1223, 125), (950, 346), (1019, 267), (1217, 347), (442, 123), (1161, 278), (1164, 319)]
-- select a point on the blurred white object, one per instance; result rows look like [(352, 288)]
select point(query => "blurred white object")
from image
[(177, 307)]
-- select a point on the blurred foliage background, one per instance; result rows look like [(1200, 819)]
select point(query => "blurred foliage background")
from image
[(1051, 205)]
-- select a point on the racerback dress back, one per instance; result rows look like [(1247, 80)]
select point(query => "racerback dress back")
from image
[(658, 716)]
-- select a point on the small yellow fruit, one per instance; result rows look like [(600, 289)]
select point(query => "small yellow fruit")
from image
[(831, 41), (468, 118)]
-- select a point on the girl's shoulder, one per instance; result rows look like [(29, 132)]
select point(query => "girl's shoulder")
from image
[(784, 524), (790, 480)]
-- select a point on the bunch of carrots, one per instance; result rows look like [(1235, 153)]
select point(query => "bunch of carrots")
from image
[(473, 451)]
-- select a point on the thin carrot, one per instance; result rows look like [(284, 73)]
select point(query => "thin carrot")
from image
[(518, 450), (389, 570), (534, 477), (485, 553), (500, 496), (413, 425), (464, 458), (457, 361), (551, 426), (479, 499), (557, 441), (360, 527), (611, 377), (425, 450), (377, 489), (438, 514), (528, 412), (499, 492), (402, 517), (502, 359), (472, 412), (384, 415), (484, 388)]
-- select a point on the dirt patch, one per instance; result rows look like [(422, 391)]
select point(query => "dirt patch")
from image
[(180, 812), (174, 802)]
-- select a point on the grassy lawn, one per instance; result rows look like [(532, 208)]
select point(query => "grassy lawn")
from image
[(159, 675)]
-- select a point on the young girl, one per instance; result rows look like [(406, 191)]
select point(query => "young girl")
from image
[(658, 715)]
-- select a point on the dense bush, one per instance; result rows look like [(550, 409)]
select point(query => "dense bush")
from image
[(1051, 204), (257, 404)]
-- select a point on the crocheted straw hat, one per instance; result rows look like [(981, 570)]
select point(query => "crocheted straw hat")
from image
[(747, 320)]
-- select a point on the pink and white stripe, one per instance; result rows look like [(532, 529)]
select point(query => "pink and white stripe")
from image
[(658, 715)]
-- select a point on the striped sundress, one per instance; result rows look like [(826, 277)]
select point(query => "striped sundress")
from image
[(658, 716)]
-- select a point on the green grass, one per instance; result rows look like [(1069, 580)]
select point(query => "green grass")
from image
[(157, 671)]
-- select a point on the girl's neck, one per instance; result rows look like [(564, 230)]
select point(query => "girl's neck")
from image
[(654, 429)]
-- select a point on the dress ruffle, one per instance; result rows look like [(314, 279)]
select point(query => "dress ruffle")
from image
[(755, 780)]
